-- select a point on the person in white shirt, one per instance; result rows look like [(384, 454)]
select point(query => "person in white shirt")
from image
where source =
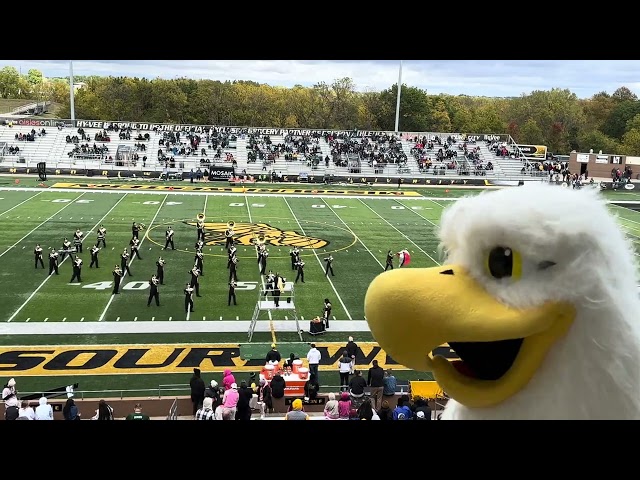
[(313, 357), (10, 398), (44, 411), (26, 411)]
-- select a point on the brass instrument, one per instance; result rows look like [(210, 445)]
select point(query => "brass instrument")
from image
[(141, 226), (259, 239), (200, 217), (230, 226)]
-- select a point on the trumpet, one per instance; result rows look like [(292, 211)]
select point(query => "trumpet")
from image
[(200, 217), (141, 226)]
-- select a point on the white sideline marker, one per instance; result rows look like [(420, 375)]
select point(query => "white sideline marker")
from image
[(170, 318), (118, 319), (46, 319), (153, 318), (28, 319), (135, 319), (64, 319), (220, 317), (82, 319)]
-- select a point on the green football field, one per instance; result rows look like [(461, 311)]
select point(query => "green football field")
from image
[(42, 317)]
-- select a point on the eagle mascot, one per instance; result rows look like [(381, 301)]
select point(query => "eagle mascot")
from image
[(538, 298)]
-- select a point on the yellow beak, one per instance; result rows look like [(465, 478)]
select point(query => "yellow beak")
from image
[(413, 311)]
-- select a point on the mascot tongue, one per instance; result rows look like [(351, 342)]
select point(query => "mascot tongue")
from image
[(464, 368)]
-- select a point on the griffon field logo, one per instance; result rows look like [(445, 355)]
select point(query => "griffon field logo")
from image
[(247, 233)]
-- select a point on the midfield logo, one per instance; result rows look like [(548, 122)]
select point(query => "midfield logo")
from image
[(246, 234)]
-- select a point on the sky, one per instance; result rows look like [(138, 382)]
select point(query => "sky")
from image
[(490, 78)]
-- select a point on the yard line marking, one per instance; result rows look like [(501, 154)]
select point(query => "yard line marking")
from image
[(433, 259), (204, 318), (319, 261), (104, 312), (412, 210), (135, 319), (82, 319), (65, 258), (28, 319), (152, 318), (170, 318), (205, 205), (220, 317), (354, 234), (246, 202), (118, 319), (46, 318), (64, 319), (34, 229)]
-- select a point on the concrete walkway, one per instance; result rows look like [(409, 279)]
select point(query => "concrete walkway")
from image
[(179, 326)]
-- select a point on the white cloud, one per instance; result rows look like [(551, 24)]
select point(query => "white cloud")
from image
[(502, 78)]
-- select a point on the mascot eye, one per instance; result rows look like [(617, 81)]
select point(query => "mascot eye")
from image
[(504, 262)]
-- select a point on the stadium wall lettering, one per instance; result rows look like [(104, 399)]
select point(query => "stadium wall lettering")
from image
[(240, 130), (352, 179), (162, 359)]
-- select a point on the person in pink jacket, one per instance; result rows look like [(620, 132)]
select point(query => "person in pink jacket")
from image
[(228, 379)]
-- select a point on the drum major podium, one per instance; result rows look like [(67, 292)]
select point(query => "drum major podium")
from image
[(266, 304)]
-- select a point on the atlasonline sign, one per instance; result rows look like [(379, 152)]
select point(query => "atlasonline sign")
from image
[(202, 128)]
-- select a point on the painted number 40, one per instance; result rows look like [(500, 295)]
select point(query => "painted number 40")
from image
[(108, 285)]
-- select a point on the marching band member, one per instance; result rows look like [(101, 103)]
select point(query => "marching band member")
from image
[(77, 269), (117, 276), (53, 261), (295, 257), (153, 293), (232, 253), (232, 292), (160, 271), (134, 230), (195, 273), (329, 268), (168, 235), (94, 256), (102, 233), (124, 258), (199, 245), (327, 312), (200, 226), (389, 262), (37, 252), (135, 244), (233, 268), (404, 258), (269, 283), (262, 260), (66, 249), (300, 266), (199, 261), (77, 240), (229, 233), (188, 298)]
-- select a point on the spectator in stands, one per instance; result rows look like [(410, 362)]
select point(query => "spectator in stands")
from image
[(44, 411), (375, 379), (213, 392), (26, 411), (243, 408), (344, 406), (227, 379), (137, 414), (402, 411), (366, 411), (296, 412), (352, 351), (390, 384), (421, 409), (344, 367), (312, 387), (70, 410), (357, 386), (103, 412), (278, 385), (10, 398), (331, 410), (197, 390), (206, 412), (230, 403), (385, 412), (273, 356), (265, 401)]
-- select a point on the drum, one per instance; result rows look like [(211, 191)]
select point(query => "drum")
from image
[(303, 373), (268, 371), (296, 366)]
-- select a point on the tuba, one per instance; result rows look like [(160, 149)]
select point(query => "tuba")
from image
[(200, 217), (230, 226), (259, 239)]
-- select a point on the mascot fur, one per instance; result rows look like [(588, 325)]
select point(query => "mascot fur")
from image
[(538, 298)]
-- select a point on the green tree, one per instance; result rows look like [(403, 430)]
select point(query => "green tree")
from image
[(596, 141), (616, 124), (9, 82), (631, 142)]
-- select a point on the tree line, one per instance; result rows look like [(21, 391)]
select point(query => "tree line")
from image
[(556, 118)]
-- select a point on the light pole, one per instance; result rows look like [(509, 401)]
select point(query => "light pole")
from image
[(73, 109), (398, 100)]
